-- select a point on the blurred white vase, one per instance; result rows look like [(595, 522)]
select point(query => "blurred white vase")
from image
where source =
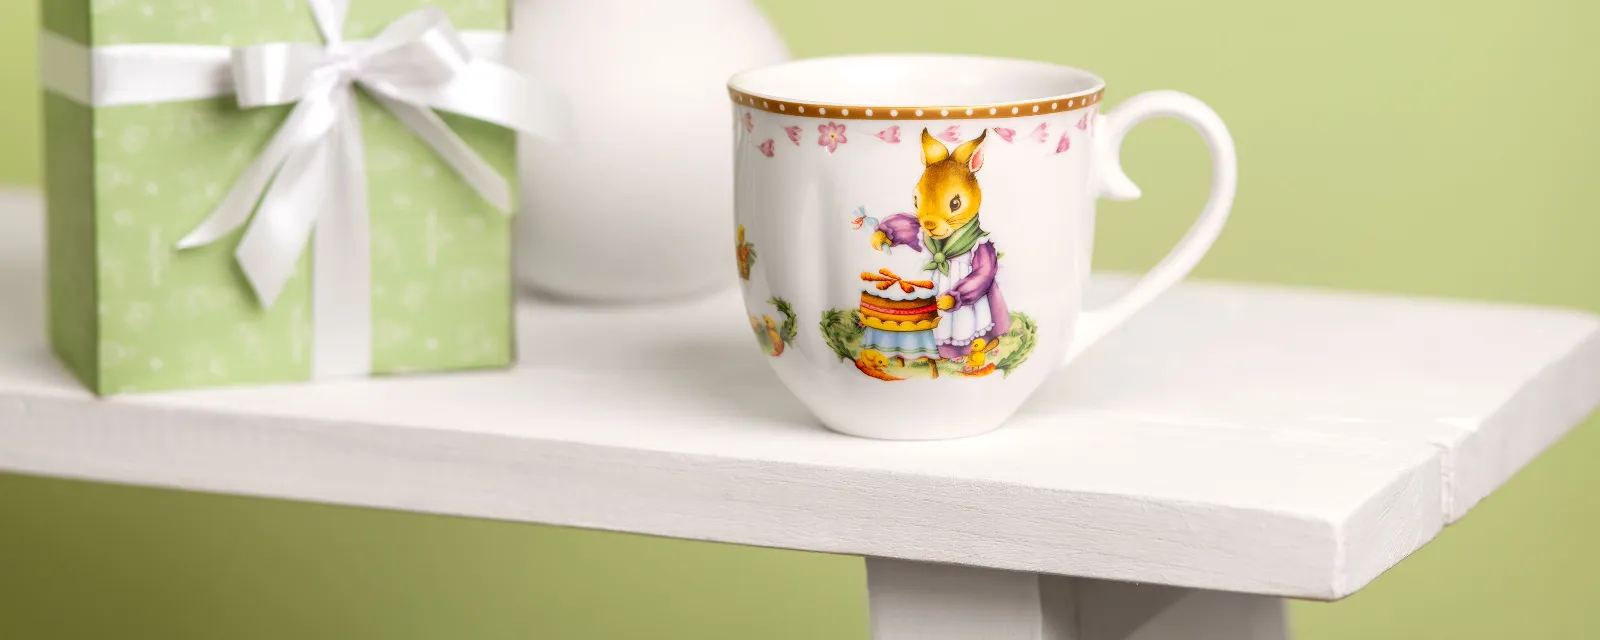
[(637, 204)]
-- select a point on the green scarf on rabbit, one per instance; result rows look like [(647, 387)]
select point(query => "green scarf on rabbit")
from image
[(962, 241)]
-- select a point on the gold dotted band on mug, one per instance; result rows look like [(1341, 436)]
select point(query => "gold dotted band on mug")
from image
[(1009, 110)]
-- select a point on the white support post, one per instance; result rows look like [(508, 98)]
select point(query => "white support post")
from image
[(1123, 611), (920, 601)]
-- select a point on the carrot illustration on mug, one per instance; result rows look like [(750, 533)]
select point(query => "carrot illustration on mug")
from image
[(962, 260)]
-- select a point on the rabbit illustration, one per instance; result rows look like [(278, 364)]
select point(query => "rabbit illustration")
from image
[(962, 260)]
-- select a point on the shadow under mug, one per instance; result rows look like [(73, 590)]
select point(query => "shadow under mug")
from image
[(914, 232)]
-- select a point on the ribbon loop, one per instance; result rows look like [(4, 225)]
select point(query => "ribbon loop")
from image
[(421, 47), (421, 50)]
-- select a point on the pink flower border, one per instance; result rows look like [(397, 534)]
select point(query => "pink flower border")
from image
[(833, 134)]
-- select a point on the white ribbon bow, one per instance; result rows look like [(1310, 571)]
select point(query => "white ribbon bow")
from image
[(312, 174)]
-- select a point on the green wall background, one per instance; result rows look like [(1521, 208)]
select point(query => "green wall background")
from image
[(1420, 146)]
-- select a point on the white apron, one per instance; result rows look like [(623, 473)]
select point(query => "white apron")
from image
[(959, 326)]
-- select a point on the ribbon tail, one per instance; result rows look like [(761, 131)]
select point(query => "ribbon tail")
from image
[(240, 201), (474, 170), (341, 258), (273, 242)]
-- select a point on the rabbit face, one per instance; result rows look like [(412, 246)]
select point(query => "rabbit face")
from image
[(947, 197)]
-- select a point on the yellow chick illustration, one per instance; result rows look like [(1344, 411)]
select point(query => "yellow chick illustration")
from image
[(976, 358), (874, 363), (978, 361)]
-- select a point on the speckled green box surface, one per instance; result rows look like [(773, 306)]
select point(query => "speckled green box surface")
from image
[(130, 313)]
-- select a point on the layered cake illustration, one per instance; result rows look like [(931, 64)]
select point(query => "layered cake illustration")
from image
[(899, 316)]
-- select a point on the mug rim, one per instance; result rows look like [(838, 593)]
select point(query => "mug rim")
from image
[(741, 92)]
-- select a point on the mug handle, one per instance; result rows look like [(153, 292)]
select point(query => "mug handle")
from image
[(1114, 185)]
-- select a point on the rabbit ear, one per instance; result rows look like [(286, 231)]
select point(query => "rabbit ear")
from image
[(932, 150), (970, 153)]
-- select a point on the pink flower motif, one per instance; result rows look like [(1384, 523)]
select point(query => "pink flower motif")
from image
[(832, 136), (1004, 133), (1041, 133), (794, 134), (890, 135), (749, 123), (766, 148), (1083, 123), (951, 133), (1064, 144)]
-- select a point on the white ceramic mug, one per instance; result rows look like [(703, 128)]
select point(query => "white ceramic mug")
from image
[(914, 231)]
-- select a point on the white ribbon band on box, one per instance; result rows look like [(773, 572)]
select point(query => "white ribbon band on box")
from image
[(312, 175)]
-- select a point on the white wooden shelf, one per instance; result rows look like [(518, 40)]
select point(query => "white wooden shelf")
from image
[(1234, 438)]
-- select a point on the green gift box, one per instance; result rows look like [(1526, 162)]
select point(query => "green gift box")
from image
[(135, 163)]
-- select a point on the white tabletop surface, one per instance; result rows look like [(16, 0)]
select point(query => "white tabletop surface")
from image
[(1240, 438)]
